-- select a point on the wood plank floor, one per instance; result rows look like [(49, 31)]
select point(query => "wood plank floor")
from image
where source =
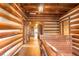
[(32, 48)]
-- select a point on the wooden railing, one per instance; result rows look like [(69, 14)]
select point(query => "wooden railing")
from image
[(50, 50)]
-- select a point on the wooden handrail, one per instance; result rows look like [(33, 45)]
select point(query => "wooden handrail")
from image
[(51, 51), (48, 49), (54, 49)]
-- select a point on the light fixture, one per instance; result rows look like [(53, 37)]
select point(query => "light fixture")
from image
[(41, 8), (32, 13)]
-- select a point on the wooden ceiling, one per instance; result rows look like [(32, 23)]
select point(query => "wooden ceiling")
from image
[(50, 9)]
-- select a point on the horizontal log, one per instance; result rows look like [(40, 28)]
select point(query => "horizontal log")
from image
[(6, 34), (51, 25), (11, 51), (71, 12), (15, 6), (11, 18), (74, 15), (75, 18), (75, 22), (51, 28), (75, 36), (9, 26), (6, 41), (75, 40), (10, 9), (6, 48), (74, 27), (50, 32), (75, 32), (75, 44)]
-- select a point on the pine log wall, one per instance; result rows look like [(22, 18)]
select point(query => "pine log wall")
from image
[(51, 28), (11, 29), (73, 17)]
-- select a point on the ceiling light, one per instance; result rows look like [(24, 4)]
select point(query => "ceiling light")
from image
[(33, 13), (41, 8)]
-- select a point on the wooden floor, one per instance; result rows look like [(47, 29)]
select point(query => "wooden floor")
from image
[(62, 44), (32, 48)]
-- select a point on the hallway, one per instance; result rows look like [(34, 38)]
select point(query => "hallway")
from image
[(39, 29)]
